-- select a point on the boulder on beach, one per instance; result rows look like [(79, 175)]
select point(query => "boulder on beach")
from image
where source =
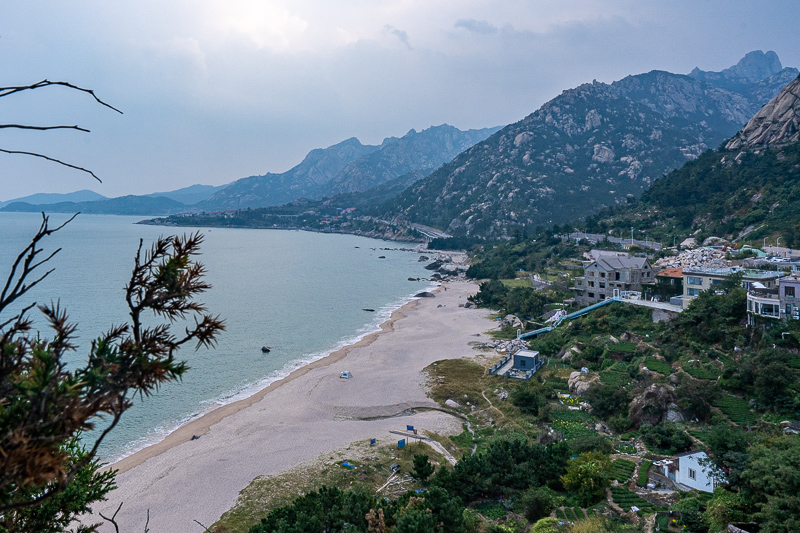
[(425, 294)]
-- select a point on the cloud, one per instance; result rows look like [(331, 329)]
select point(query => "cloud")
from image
[(400, 34), (482, 27)]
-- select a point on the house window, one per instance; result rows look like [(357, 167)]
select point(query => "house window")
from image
[(692, 292), (591, 295), (591, 283), (578, 282), (602, 274), (522, 362), (693, 280), (789, 292), (616, 276), (591, 273), (602, 285), (717, 282), (692, 474)]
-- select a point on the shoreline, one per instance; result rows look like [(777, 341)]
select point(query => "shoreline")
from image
[(202, 424), (307, 415)]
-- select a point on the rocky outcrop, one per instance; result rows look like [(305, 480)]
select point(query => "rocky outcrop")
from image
[(652, 405), (579, 383), (776, 123)]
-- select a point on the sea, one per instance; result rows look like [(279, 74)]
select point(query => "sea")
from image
[(303, 294)]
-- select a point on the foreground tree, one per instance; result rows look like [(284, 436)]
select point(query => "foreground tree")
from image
[(45, 406)]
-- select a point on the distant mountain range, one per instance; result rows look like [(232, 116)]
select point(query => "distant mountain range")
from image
[(90, 202), (590, 147), (349, 166), (339, 171)]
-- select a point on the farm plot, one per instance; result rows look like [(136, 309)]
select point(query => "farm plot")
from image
[(621, 470), (625, 499), (736, 409)]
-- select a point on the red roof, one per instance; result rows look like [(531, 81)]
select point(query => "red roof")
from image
[(671, 273)]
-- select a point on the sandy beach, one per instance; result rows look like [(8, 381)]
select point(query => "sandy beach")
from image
[(308, 413)]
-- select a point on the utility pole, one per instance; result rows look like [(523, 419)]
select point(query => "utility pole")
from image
[(631, 236), (778, 246)]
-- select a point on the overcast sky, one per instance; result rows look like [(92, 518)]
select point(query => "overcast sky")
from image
[(216, 90)]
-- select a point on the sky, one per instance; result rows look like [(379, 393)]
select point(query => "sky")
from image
[(216, 90)]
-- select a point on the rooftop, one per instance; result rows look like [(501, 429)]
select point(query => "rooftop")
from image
[(748, 273), (670, 273)]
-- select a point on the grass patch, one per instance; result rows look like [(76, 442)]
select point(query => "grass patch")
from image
[(623, 347), (452, 379), (621, 470), (657, 365), (700, 371), (625, 499), (372, 470), (491, 510), (571, 423), (614, 378), (644, 468), (737, 409), (513, 283)]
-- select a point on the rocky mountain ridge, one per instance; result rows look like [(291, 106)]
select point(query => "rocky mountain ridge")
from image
[(776, 123), (349, 166), (591, 147)]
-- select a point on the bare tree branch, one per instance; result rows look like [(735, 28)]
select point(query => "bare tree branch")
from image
[(204, 527), (43, 128), (114, 516), (5, 91), (34, 154)]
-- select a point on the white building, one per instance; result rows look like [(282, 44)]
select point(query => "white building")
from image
[(689, 469)]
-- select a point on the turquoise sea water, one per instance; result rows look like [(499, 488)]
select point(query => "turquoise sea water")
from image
[(301, 293)]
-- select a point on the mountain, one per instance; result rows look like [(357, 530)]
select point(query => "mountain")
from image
[(591, 147), (776, 123), (84, 195), (414, 152), (348, 167), (123, 205), (304, 180), (190, 195), (747, 190)]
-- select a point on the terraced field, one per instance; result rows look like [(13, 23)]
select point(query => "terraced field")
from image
[(737, 409), (621, 470), (625, 499)]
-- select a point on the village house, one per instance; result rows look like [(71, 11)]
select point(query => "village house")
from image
[(696, 280), (607, 276), (778, 302), (690, 470)]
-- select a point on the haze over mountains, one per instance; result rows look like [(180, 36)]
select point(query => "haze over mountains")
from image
[(590, 147), (349, 166)]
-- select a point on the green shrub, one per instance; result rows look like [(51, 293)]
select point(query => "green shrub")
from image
[(737, 409)]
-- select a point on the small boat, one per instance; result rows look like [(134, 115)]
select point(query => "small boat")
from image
[(265, 349), (368, 309)]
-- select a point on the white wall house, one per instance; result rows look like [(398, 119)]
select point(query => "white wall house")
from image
[(687, 470)]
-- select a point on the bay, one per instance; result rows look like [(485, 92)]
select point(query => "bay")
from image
[(301, 293)]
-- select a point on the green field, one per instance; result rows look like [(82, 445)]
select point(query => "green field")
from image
[(621, 470), (625, 499), (700, 371), (736, 409), (623, 347), (643, 469), (657, 365), (512, 283)]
